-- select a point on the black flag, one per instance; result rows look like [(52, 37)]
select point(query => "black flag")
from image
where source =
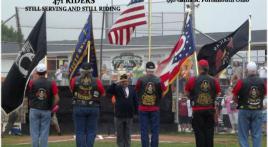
[(219, 53), (33, 50)]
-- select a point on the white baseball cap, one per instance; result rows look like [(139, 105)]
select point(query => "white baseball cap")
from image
[(251, 66), (41, 67)]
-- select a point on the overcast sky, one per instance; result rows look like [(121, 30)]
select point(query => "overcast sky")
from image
[(210, 17)]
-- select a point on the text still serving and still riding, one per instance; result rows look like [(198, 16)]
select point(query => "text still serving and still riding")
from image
[(72, 8)]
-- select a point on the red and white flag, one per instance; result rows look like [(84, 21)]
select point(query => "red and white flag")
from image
[(129, 19), (168, 69)]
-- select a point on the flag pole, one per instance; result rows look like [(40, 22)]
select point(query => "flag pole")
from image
[(19, 38), (192, 13), (46, 64), (46, 59), (88, 51), (149, 28), (88, 42), (101, 45), (249, 37)]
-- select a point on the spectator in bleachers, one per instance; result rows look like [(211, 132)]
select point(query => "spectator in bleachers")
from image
[(65, 73), (58, 75), (263, 71)]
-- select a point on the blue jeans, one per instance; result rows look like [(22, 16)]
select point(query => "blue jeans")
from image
[(149, 119), (39, 127), (85, 121), (250, 120)]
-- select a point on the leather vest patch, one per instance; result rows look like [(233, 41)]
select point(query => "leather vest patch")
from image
[(254, 99), (251, 94), (149, 95), (41, 94), (86, 89), (204, 97)]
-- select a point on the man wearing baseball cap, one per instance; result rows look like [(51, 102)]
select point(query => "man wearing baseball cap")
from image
[(87, 91), (249, 93), (43, 100), (149, 90), (125, 108), (202, 91)]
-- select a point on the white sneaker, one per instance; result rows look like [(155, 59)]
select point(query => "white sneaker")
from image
[(100, 137), (232, 132)]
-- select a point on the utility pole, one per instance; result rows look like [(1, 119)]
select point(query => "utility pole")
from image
[(4, 22), (18, 28)]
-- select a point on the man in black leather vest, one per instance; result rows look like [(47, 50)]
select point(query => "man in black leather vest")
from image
[(87, 91), (149, 90), (43, 100), (202, 91), (249, 94)]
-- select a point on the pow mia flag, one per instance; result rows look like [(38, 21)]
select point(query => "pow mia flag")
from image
[(219, 53), (33, 50)]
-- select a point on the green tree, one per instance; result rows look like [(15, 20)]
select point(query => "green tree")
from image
[(10, 34)]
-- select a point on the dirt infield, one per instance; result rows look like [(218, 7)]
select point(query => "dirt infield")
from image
[(181, 138)]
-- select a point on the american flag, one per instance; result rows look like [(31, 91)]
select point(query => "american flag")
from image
[(124, 26), (170, 67)]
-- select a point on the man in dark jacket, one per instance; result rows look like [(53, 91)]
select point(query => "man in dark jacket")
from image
[(125, 108)]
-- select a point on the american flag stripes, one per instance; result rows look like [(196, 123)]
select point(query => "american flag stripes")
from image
[(129, 19), (170, 67)]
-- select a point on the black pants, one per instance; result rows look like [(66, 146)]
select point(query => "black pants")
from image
[(203, 125), (123, 130)]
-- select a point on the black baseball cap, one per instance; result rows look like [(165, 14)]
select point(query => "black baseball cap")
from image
[(150, 66), (86, 67)]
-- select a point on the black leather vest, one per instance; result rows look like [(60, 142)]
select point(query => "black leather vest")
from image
[(251, 94), (41, 96), (204, 91), (150, 91), (86, 89)]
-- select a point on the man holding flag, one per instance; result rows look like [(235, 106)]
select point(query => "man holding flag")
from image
[(202, 91), (249, 94), (87, 91), (149, 90), (43, 100), (86, 88)]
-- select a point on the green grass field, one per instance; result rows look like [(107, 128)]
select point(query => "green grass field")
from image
[(219, 140), (112, 144)]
